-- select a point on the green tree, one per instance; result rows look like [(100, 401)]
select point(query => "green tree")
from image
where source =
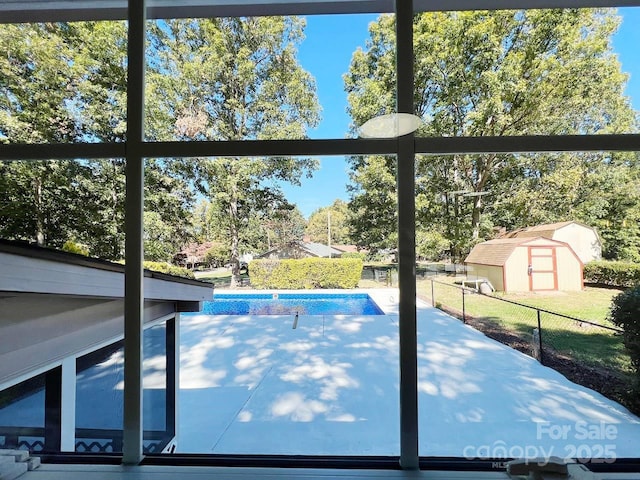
[(373, 218), (216, 255), (204, 222), (487, 74), (233, 79), (35, 69), (65, 83), (625, 313), (431, 244), (601, 190), (334, 218), (283, 226)]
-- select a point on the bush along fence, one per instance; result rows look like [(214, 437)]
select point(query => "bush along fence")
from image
[(544, 334), (616, 274)]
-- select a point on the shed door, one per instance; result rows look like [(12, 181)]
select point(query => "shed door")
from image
[(543, 273)]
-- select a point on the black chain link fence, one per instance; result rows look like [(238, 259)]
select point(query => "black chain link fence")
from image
[(586, 352)]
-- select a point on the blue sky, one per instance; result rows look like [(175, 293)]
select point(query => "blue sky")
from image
[(326, 54)]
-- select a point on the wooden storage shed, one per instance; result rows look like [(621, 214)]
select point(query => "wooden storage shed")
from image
[(526, 265), (583, 239)]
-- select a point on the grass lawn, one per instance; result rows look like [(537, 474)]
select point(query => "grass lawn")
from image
[(583, 342), (590, 304)]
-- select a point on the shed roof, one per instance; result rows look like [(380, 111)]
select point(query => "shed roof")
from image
[(545, 230), (496, 252)]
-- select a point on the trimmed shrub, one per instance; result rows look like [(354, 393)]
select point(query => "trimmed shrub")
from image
[(164, 267), (625, 313), (617, 274), (306, 273)]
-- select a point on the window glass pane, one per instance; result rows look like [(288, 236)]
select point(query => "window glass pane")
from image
[(251, 78), (22, 415), (509, 73), (517, 355), (99, 396), (72, 205), (61, 288), (63, 82), (320, 378)]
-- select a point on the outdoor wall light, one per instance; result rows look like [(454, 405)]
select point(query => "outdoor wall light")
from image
[(391, 125)]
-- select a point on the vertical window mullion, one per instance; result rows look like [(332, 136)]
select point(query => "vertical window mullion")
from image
[(52, 410), (134, 254), (406, 241)]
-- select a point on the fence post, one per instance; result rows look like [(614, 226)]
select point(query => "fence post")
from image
[(433, 297), (540, 338), (464, 317)]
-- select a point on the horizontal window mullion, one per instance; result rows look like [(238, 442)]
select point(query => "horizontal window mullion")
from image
[(527, 144), (49, 151)]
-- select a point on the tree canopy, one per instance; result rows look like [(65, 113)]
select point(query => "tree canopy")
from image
[(334, 219), (476, 74), (207, 79), (534, 72)]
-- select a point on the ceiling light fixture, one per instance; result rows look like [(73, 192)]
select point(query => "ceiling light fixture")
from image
[(391, 125)]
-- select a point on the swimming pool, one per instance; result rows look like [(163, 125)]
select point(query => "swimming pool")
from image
[(292, 304)]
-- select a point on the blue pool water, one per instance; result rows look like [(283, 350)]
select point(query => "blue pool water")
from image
[(292, 303)]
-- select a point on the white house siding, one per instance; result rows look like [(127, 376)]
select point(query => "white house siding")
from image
[(570, 274), (517, 279)]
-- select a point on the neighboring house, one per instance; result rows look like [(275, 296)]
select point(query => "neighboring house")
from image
[(302, 250), (58, 312), (583, 239), (526, 265)]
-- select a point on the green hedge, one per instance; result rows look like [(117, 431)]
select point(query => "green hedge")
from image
[(617, 274), (306, 273), (168, 268)]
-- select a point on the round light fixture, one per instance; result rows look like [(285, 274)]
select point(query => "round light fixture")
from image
[(391, 125)]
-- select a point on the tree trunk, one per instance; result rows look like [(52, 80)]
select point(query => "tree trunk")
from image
[(235, 240), (37, 191)]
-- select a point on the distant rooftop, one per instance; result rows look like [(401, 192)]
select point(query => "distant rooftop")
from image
[(319, 249)]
